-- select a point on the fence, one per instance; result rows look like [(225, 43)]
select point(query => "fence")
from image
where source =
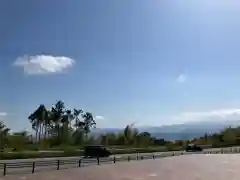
[(30, 166)]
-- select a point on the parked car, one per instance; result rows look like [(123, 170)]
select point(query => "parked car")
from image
[(193, 148), (96, 151)]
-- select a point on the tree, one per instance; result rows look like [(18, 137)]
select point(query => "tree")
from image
[(76, 114), (88, 122), (39, 119), (104, 139), (57, 114), (18, 140), (4, 131), (57, 122), (78, 137), (127, 134)]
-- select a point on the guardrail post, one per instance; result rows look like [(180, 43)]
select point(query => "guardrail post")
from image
[(98, 161), (33, 167), (4, 169), (58, 164), (128, 158), (79, 162), (221, 151), (114, 159), (153, 156)]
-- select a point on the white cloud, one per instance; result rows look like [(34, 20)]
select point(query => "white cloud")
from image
[(99, 117), (218, 115), (3, 114), (43, 64), (181, 78), (101, 122)]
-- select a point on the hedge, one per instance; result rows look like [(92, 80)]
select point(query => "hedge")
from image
[(32, 155), (71, 153)]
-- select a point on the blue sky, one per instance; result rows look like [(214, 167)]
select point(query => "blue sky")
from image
[(144, 62)]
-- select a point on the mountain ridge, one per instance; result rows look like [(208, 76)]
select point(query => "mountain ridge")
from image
[(182, 131)]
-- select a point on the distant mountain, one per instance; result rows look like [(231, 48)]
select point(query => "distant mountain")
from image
[(105, 130), (189, 130), (178, 131)]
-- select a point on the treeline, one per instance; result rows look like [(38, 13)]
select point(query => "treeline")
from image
[(60, 127), (53, 127), (230, 136), (76, 138), (130, 137)]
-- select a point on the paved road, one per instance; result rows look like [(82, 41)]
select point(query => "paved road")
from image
[(49, 164), (118, 156), (191, 167)]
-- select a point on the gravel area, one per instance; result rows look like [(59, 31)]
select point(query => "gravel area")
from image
[(188, 167)]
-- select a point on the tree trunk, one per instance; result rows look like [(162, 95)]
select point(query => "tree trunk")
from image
[(45, 132), (36, 138)]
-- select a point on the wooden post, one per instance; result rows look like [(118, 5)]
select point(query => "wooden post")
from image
[(58, 164), (79, 162), (33, 167), (4, 169), (98, 161)]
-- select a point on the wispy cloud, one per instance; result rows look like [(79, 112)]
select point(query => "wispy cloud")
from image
[(43, 64), (3, 114), (99, 117), (181, 78), (218, 115)]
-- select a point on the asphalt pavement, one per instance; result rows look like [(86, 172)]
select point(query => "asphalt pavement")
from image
[(21, 166), (191, 167)]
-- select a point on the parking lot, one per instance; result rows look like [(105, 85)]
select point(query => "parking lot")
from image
[(188, 167)]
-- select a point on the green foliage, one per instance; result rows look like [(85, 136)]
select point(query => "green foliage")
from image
[(70, 152), (37, 154), (3, 135), (68, 130), (57, 124), (228, 137), (128, 137)]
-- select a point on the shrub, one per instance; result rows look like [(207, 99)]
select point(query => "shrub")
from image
[(70, 152)]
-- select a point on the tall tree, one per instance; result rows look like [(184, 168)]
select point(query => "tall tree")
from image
[(88, 122), (58, 122), (38, 119), (128, 134), (78, 125), (57, 113), (76, 114), (3, 135)]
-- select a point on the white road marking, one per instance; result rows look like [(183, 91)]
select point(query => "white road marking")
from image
[(152, 175)]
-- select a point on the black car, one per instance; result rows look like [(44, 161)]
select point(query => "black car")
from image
[(96, 151), (193, 148)]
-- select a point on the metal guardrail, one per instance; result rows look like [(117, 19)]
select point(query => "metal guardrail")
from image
[(21, 167)]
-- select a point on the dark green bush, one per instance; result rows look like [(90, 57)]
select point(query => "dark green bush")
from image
[(70, 152), (29, 155)]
